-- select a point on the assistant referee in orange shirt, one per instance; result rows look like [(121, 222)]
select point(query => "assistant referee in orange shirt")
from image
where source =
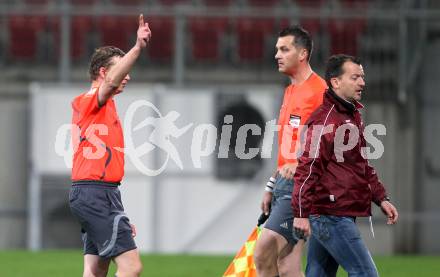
[(278, 251)]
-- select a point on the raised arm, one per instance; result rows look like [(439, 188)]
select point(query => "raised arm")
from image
[(120, 70)]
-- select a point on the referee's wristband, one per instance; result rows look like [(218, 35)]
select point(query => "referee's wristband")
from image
[(269, 189), (270, 184)]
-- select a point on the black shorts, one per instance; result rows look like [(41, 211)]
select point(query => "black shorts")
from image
[(105, 228), (281, 214)]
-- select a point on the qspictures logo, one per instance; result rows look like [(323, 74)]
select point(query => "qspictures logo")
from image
[(164, 131)]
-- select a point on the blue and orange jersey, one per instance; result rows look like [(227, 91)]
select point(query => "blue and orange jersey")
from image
[(300, 100), (98, 139)]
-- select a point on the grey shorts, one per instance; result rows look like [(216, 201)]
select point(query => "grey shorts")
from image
[(105, 228), (281, 214)]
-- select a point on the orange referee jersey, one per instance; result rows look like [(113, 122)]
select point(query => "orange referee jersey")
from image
[(98, 138), (298, 104)]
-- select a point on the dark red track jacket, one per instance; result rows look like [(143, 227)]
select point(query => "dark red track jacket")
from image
[(333, 179)]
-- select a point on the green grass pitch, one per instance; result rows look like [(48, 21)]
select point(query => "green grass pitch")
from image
[(69, 263)]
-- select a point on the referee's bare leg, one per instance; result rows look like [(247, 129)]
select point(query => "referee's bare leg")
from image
[(128, 264), (274, 256), (95, 266)]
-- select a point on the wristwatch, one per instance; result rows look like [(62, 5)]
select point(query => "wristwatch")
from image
[(386, 198)]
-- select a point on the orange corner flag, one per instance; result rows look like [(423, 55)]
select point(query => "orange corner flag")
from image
[(243, 263)]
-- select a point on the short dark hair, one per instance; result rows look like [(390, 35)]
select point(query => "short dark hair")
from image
[(334, 66), (301, 38), (102, 57)]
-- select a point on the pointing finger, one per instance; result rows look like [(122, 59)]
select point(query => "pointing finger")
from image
[(141, 20)]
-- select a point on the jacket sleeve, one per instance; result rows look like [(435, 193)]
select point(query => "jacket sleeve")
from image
[(311, 166), (377, 189)]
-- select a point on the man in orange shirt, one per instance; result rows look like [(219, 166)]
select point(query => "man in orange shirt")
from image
[(278, 251), (98, 164)]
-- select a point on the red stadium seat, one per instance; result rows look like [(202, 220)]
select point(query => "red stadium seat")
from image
[(310, 3), (251, 35), (217, 3), (127, 2), (36, 2), (83, 2), (354, 3), (80, 28), (118, 31), (312, 25), (205, 37), (23, 35), (174, 2), (161, 46), (344, 35), (284, 23), (262, 3)]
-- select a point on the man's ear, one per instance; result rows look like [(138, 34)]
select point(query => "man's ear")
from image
[(303, 54), (102, 71), (335, 82)]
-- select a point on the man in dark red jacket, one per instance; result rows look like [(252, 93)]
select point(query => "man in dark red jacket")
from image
[(335, 183)]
